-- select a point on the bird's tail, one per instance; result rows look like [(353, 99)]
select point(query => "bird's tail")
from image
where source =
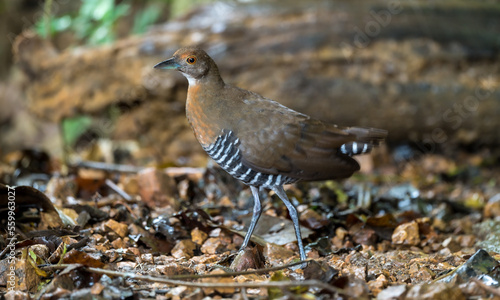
[(366, 140)]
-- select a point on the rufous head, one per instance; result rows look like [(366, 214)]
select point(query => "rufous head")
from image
[(193, 63)]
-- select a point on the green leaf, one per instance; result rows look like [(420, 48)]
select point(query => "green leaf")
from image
[(146, 18), (32, 255), (275, 292), (73, 128)]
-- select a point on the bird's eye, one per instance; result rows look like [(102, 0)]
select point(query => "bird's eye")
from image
[(191, 60)]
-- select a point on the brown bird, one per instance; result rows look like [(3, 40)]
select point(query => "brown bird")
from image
[(261, 142)]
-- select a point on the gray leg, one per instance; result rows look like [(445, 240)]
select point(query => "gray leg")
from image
[(257, 210), (295, 218)]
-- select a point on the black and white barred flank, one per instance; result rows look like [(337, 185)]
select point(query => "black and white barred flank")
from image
[(355, 148), (225, 151)]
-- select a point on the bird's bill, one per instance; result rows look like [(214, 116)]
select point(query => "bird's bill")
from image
[(167, 64)]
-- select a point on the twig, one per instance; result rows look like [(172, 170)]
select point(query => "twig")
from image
[(117, 190), (278, 284), (107, 167), (230, 274), (244, 294), (487, 288), (7, 247)]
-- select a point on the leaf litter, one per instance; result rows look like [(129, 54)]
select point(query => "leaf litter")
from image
[(420, 229)]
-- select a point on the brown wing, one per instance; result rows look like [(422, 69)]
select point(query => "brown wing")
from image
[(291, 143)]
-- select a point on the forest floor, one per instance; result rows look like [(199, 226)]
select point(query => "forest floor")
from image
[(407, 227)]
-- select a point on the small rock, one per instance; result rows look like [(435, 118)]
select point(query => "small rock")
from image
[(16, 295), (148, 258), (320, 270), (358, 272), (365, 236), (312, 219), (487, 234), (135, 251), (223, 280), (472, 288), (177, 292), (420, 273), (102, 247), (134, 229), (215, 245), (172, 269), (237, 241), (119, 228), (276, 254), (184, 248), (125, 266), (89, 181), (130, 184), (492, 208), (466, 240), (376, 286), (250, 278), (313, 254), (451, 244), (164, 259), (197, 294), (118, 243), (247, 259), (406, 234), (337, 243), (217, 232), (341, 233), (479, 263), (205, 259), (396, 292), (357, 259), (357, 289), (433, 291), (97, 289), (226, 202), (157, 188), (98, 238)]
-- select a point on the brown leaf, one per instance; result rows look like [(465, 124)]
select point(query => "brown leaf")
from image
[(26, 197), (82, 258)]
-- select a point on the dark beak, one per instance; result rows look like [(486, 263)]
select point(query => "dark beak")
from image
[(168, 64)]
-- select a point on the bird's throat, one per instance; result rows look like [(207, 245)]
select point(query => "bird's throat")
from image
[(198, 112)]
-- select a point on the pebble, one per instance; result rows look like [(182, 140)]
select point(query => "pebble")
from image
[(276, 255), (184, 248), (117, 227), (395, 292), (376, 286), (215, 245), (406, 234), (434, 291)]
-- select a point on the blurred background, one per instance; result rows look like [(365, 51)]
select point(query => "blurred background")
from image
[(76, 77)]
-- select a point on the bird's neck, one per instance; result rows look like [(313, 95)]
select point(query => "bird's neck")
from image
[(202, 106)]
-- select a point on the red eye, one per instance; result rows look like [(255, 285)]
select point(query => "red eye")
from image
[(191, 60)]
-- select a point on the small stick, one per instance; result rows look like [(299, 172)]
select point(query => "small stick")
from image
[(118, 190), (278, 284), (107, 167)]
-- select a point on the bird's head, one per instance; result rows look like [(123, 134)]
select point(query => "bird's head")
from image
[(193, 63)]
